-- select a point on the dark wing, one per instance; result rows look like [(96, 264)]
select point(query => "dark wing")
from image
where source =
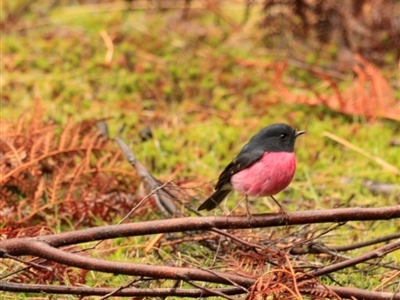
[(244, 160)]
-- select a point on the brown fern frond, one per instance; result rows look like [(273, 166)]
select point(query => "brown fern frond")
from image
[(75, 141), (22, 120), (65, 137), (77, 172), (72, 169), (38, 194), (370, 95), (42, 143), (10, 153), (53, 188)]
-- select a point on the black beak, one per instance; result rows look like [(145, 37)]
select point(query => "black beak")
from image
[(299, 133)]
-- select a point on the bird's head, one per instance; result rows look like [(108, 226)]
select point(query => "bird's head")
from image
[(277, 137)]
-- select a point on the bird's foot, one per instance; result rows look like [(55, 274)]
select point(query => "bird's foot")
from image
[(249, 217), (282, 211), (285, 216)]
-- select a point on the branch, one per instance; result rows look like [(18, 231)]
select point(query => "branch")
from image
[(355, 293), (127, 292), (46, 246), (317, 248), (379, 252), (152, 185), (11, 247), (343, 292), (43, 250)]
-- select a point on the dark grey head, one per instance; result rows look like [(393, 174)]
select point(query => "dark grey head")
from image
[(277, 137)]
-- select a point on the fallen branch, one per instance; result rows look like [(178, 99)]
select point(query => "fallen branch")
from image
[(338, 215), (344, 292), (128, 292), (377, 253)]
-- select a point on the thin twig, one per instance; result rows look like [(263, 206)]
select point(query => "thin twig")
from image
[(29, 263), (377, 253)]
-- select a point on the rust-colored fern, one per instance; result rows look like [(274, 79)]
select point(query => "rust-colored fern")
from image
[(74, 172)]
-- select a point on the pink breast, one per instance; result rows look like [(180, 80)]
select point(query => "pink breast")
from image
[(268, 176)]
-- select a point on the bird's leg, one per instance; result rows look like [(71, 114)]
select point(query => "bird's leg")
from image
[(277, 203), (247, 206), (281, 209), (249, 216)]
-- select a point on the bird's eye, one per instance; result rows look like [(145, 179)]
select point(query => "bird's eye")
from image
[(283, 136)]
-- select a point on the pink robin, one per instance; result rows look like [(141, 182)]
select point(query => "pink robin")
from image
[(264, 167)]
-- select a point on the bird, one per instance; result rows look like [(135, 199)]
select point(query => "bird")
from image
[(264, 166)]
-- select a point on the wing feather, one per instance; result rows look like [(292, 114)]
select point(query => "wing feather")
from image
[(244, 160)]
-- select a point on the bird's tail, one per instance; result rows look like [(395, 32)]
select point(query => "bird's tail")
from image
[(214, 199)]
